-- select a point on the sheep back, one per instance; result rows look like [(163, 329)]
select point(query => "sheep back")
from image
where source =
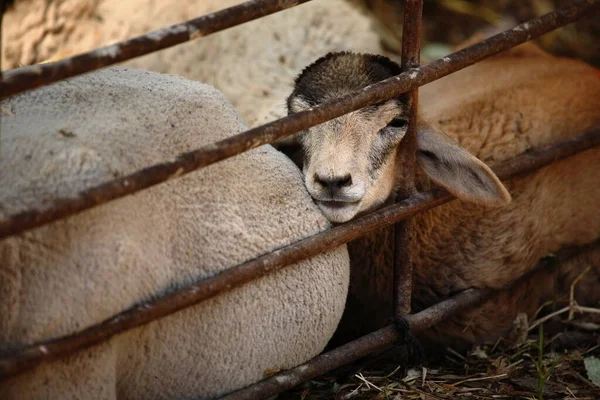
[(79, 271)]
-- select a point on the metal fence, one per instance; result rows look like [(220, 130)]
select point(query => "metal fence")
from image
[(408, 203)]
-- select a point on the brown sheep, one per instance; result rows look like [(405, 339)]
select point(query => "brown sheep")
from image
[(490, 112)]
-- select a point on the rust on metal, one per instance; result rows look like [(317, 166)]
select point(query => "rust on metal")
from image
[(168, 304), (26, 78), (403, 230), (384, 90)]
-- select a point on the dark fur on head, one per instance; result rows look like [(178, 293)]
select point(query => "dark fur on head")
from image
[(350, 164), (340, 73), (349, 161)]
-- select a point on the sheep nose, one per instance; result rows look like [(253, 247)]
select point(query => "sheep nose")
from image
[(334, 183)]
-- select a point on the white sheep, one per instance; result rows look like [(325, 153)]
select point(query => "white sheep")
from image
[(497, 109), (252, 64), (76, 272)]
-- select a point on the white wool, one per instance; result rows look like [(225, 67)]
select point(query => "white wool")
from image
[(76, 272)]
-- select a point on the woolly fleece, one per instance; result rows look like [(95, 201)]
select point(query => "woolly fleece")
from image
[(76, 272)]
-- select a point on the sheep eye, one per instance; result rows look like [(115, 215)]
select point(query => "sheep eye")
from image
[(398, 123)]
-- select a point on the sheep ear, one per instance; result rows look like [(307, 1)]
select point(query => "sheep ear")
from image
[(458, 171)]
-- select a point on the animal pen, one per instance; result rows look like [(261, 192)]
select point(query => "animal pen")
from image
[(407, 205)]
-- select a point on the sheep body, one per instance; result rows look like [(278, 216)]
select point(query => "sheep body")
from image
[(515, 102), (66, 276)]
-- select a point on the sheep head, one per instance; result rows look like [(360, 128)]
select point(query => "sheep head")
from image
[(350, 162)]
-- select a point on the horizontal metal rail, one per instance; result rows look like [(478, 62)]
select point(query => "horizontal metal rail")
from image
[(168, 304), (26, 78), (384, 90), (379, 339)]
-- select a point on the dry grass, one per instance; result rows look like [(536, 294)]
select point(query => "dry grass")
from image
[(539, 367)]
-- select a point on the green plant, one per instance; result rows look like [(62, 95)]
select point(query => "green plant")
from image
[(543, 368)]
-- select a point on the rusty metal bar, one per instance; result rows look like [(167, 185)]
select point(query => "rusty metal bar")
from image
[(392, 87), (537, 158), (403, 231), (239, 275), (26, 78), (382, 338)]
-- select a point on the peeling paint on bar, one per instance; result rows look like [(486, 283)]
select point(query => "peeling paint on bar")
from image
[(177, 173), (195, 33), (109, 51), (282, 379), (159, 35)]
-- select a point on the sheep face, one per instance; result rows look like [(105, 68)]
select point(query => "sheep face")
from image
[(350, 162)]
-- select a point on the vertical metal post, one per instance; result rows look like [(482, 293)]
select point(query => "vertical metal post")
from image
[(403, 232), (3, 8)]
